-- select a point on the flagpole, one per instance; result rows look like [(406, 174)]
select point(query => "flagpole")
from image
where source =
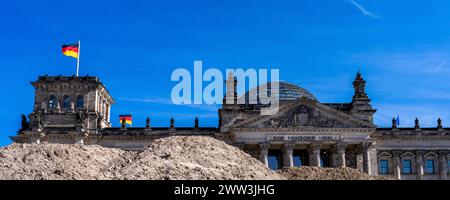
[(78, 59)]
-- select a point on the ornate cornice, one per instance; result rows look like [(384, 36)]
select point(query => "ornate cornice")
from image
[(304, 129), (410, 137)]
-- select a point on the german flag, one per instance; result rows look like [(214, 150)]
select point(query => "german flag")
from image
[(128, 119), (70, 50)]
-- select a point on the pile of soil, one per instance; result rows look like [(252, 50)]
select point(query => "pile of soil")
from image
[(58, 161), (195, 157), (177, 157), (319, 173)]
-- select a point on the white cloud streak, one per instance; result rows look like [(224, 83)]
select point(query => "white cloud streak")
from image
[(442, 65), (363, 10)]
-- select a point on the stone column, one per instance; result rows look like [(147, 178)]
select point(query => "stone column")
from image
[(419, 165), (288, 150), (443, 167), (58, 107), (396, 165), (341, 154), (108, 115), (314, 155), (359, 161), (334, 157), (263, 153), (72, 106), (366, 158)]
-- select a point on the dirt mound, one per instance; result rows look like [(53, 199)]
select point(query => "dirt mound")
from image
[(58, 161), (195, 157), (318, 173), (178, 157)]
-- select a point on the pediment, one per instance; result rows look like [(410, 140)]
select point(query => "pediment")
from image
[(431, 155), (407, 154), (305, 113), (384, 154)]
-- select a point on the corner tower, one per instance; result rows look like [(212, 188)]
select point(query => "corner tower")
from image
[(77, 106)]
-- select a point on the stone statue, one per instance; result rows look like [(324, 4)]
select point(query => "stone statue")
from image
[(147, 123), (24, 123), (123, 123), (439, 122), (99, 123), (394, 123), (172, 123), (81, 117), (359, 86), (38, 119), (196, 123), (416, 123)]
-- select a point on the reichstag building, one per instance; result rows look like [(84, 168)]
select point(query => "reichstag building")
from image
[(304, 132)]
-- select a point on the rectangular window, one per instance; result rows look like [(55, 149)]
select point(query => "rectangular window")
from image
[(383, 166), (297, 161), (275, 160), (429, 166), (325, 159), (300, 158), (407, 167)]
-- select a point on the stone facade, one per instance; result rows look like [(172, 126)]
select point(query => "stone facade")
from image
[(303, 132)]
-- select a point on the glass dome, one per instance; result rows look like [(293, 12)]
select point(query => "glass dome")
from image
[(287, 92)]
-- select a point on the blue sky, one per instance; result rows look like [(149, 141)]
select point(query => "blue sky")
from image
[(401, 47)]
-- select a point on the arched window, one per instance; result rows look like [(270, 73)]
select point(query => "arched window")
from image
[(52, 102), (66, 102), (80, 102)]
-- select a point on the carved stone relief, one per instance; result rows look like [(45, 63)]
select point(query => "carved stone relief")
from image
[(304, 116)]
